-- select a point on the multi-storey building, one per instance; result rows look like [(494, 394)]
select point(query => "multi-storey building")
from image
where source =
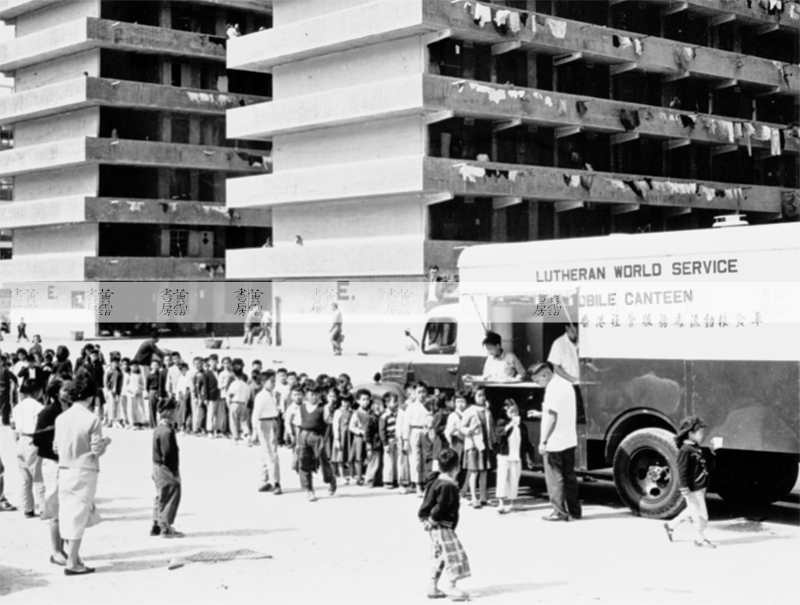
[(404, 130), (120, 154)]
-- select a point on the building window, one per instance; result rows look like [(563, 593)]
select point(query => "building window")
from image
[(178, 243), (7, 189), (6, 139)]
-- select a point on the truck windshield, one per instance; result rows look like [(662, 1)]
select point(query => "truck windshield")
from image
[(440, 337)]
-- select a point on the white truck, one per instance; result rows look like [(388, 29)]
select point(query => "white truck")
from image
[(671, 324)]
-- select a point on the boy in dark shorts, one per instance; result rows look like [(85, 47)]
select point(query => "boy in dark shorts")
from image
[(439, 515)]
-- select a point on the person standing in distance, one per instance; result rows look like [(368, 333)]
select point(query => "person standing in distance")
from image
[(558, 442)]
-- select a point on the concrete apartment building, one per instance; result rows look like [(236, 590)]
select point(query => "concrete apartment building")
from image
[(403, 130), (120, 155)]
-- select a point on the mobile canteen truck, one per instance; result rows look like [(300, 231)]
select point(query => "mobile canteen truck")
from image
[(671, 324)]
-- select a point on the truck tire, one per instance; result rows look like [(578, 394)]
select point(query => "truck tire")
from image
[(753, 477), (646, 473)]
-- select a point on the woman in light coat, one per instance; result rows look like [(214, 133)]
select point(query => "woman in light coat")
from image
[(79, 443)]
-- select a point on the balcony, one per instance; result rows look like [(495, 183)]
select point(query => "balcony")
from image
[(561, 38), (335, 32), (435, 180), (381, 99), (64, 268), (574, 40), (356, 257), (507, 106), (72, 152), (90, 33), (508, 183), (79, 209), (724, 11), (11, 9), (81, 92)]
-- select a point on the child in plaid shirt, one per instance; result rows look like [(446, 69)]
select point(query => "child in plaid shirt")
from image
[(439, 514)]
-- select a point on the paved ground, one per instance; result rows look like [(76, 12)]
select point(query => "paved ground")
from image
[(366, 546)]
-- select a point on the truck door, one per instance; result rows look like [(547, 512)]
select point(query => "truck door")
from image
[(437, 364)]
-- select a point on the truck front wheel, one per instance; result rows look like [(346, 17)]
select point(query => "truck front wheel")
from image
[(646, 473)]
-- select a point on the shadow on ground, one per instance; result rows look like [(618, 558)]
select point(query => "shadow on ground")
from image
[(500, 589), (13, 579)]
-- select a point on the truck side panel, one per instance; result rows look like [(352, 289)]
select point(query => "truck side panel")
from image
[(752, 405)]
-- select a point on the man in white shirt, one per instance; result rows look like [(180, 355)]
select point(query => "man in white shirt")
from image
[(23, 419), (558, 442), (564, 355), (266, 420)]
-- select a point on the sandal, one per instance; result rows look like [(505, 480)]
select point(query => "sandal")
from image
[(669, 531), (6, 506), (704, 544)]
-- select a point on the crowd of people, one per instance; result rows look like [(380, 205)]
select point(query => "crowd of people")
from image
[(408, 438)]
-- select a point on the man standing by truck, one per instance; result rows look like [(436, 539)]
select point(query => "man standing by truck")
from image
[(564, 355), (558, 442)]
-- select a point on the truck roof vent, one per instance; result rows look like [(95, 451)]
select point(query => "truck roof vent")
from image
[(730, 220)]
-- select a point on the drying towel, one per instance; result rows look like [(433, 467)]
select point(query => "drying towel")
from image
[(557, 28), (482, 15)]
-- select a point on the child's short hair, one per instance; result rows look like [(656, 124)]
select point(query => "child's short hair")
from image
[(256, 362), (510, 404), (126, 360), (361, 392), (214, 356), (196, 359), (267, 374), (280, 370), (166, 405), (29, 387), (292, 373), (226, 358), (183, 366), (461, 394), (298, 387), (388, 396), (448, 460)]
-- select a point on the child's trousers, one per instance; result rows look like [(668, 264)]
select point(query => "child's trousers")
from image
[(508, 473), (30, 468), (695, 513), (168, 496)]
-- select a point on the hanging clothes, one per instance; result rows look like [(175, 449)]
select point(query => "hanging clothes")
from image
[(514, 23), (774, 141), (482, 14), (629, 119), (557, 28)]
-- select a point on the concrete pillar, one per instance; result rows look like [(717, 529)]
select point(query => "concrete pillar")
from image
[(499, 225)]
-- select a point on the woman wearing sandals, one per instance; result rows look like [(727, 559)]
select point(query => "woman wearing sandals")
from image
[(79, 443), (693, 476)]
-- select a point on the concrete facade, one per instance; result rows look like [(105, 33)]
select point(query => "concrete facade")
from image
[(411, 128), (120, 154)]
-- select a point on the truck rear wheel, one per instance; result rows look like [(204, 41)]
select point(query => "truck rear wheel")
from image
[(646, 473), (753, 477)]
